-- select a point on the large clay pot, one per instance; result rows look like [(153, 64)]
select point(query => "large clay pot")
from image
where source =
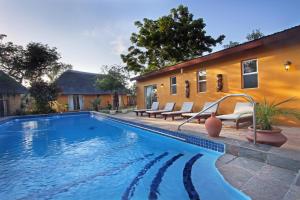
[(213, 126), (272, 137)]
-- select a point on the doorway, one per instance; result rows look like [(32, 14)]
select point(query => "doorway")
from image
[(75, 102), (150, 95), (3, 106)]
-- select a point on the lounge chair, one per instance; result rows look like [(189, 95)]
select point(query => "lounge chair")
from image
[(243, 112), (203, 115), (154, 106), (168, 107), (185, 108)]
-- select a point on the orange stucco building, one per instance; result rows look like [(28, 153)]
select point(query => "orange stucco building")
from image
[(268, 67)]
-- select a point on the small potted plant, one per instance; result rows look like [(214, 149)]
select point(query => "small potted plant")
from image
[(124, 110), (266, 114)]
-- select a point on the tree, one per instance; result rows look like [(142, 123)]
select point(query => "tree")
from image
[(57, 70), (168, 40), (114, 80), (2, 36), (44, 95), (231, 44), (31, 63), (256, 34)]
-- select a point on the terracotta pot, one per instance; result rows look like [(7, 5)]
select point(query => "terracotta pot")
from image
[(272, 137), (213, 126)]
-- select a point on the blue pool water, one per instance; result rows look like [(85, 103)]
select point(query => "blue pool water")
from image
[(87, 157)]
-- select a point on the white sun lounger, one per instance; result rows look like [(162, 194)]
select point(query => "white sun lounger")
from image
[(154, 106), (168, 107), (205, 114), (185, 108), (243, 112)]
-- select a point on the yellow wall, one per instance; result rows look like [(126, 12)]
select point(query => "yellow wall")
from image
[(87, 99), (274, 82)]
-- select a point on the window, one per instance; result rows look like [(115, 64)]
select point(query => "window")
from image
[(173, 87), (201, 80), (250, 74)]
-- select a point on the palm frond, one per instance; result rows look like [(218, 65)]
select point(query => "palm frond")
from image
[(286, 101), (289, 112)]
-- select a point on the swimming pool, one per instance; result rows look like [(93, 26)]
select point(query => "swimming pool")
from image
[(86, 156)]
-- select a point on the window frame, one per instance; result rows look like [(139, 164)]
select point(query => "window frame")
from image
[(171, 85), (250, 73), (201, 81)]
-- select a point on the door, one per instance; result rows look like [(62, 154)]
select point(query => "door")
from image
[(3, 106), (150, 95), (75, 102)]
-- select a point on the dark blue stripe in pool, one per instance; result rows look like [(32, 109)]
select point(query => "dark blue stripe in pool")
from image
[(130, 190), (187, 179), (158, 178), (48, 194)]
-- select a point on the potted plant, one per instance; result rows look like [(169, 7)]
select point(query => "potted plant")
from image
[(266, 114), (124, 110)]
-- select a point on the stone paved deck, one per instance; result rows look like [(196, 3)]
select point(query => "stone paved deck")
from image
[(259, 180)]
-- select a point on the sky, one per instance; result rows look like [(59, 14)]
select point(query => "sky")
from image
[(92, 33)]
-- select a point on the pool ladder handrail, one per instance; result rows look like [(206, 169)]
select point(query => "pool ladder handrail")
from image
[(248, 97)]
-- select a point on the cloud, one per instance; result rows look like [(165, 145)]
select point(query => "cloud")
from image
[(119, 45)]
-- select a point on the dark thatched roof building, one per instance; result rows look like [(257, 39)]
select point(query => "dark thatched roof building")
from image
[(10, 95), (77, 82), (79, 91), (10, 86)]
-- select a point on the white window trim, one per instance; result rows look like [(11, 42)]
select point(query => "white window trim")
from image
[(173, 85), (201, 81), (250, 73)]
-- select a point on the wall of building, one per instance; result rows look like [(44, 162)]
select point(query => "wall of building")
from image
[(13, 103), (87, 99), (274, 82)]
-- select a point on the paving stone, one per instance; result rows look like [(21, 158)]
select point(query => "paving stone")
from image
[(257, 146), (286, 153), (248, 164), (260, 188), (226, 158), (232, 149), (293, 193), (283, 175), (297, 181), (283, 162), (253, 154), (236, 176)]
